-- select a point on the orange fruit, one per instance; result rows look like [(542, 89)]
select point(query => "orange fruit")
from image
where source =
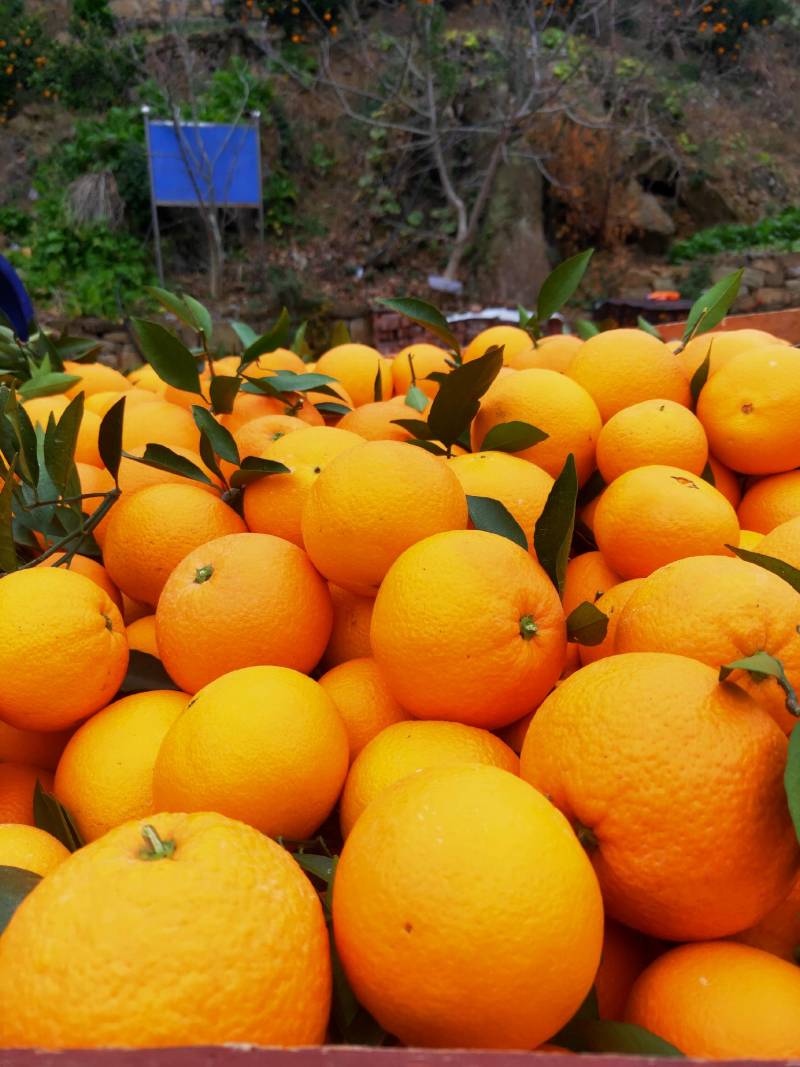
[(95, 378), (30, 849), (90, 569), (252, 917), (456, 891), (150, 531), (555, 404), (274, 505), (243, 600), (258, 434), (751, 411), (783, 542), (133, 610), (69, 634), (278, 359), (725, 481), (721, 346), (654, 431), (31, 746), (555, 352), (619, 368), (352, 615), (371, 503), (94, 480), (366, 706), (250, 406), (675, 784), (718, 609), (720, 1001), (521, 486), (612, 604), (145, 377), (505, 634), (133, 475), (654, 515), (626, 953), (771, 501), (779, 930), (512, 338), (161, 423), (264, 744), (425, 359), (356, 367), (376, 422), (409, 747), (105, 775), (514, 733), (86, 447), (100, 403), (17, 783), (142, 635), (588, 577), (750, 539)]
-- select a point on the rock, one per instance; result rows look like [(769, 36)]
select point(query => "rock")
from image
[(117, 337), (793, 285), (772, 270), (753, 278), (15, 170), (706, 204), (769, 297)]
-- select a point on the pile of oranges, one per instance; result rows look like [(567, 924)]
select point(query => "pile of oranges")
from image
[(380, 779)]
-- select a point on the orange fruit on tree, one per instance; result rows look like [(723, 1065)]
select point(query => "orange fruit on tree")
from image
[(244, 909), (376, 421), (95, 378), (626, 953), (721, 346), (783, 542), (520, 486), (133, 475), (468, 627), (100, 403), (409, 747), (720, 1001), (105, 775), (69, 635), (142, 635), (424, 359), (264, 744), (32, 746), (250, 406), (258, 434), (30, 849), (751, 411), (612, 604), (276, 360), (512, 338), (718, 609), (770, 501), (653, 431), (89, 568), (356, 367), (274, 505), (457, 890), (352, 615), (552, 353), (243, 600), (674, 782), (651, 516), (39, 408), (160, 423), (17, 783), (150, 531), (371, 503), (553, 403), (145, 377), (619, 368), (779, 930), (86, 447), (588, 577), (725, 480), (363, 701)]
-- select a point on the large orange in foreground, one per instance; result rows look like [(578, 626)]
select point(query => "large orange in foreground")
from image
[(465, 912), (675, 783), (468, 627), (181, 930)]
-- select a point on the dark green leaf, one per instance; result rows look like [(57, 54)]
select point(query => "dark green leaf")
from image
[(585, 329), (559, 286), (28, 464), (173, 303), (512, 437), (459, 397), (426, 315), (325, 408), (587, 625), (47, 385), (15, 884), (416, 427), (760, 666), (254, 468), (145, 673), (711, 308), (699, 378), (286, 381), (76, 349), (170, 358), (276, 337), (429, 446), (553, 535), (525, 317), (221, 439), (416, 399), (786, 571), (50, 814), (209, 456), (321, 867), (246, 334), (200, 317), (340, 335), (60, 440), (164, 459), (708, 475), (491, 515), (223, 390), (377, 385), (109, 439), (791, 779), (8, 555), (591, 489), (299, 344), (648, 327), (603, 1035)]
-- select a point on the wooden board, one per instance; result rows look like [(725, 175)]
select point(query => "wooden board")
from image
[(785, 324)]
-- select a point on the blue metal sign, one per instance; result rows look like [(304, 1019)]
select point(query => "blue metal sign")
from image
[(204, 163)]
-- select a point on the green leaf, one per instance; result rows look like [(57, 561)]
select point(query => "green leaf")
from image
[(223, 390), (29, 450), (60, 440), (322, 867), (287, 381), (77, 349), (246, 334), (512, 437), (254, 468), (553, 535), (459, 397), (425, 314), (377, 385), (648, 327), (170, 358), (416, 399), (50, 814), (428, 446), (172, 302), (299, 344), (699, 378), (47, 385), (8, 555), (559, 286), (164, 459), (418, 427), (708, 475), (585, 329), (786, 571), (587, 625), (711, 307), (603, 1035), (494, 517), (109, 440), (220, 438), (340, 335), (325, 408), (276, 337), (145, 674), (209, 456), (15, 884), (791, 779), (761, 666), (201, 317)]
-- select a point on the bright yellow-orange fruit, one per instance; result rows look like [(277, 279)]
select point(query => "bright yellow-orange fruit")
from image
[(95, 378), (86, 446), (32, 746), (720, 1001), (17, 783), (553, 403), (409, 747), (356, 367), (675, 784), (69, 635), (725, 481), (652, 516), (612, 604), (363, 701), (425, 359), (89, 568), (505, 633), (783, 542), (750, 539), (264, 744), (142, 635), (512, 338), (30, 849), (721, 346), (133, 610), (352, 615), (779, 930), (376, 422), (277, 360), (145, 377), (626, 953), (243, 909), (160, 423), (133, 475), (255, 436), (654, 431), (770, 502), (619, 368), (588, 577), (457, 890), (242, 600), (370, 504), (100, 403), (555, 352)]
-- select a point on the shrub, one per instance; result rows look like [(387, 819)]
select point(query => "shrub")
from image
[(780, 231)]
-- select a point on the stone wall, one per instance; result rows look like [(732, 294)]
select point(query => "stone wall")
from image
[(148, 10)]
